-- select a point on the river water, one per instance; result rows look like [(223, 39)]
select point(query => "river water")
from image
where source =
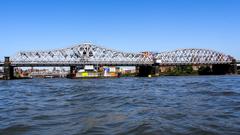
[(200, 105)]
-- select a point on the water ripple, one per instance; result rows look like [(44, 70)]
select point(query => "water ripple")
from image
[(198, 105)]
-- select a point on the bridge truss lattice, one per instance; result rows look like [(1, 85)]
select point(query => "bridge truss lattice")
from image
[(92, 54), (82, 54), (192, 56)]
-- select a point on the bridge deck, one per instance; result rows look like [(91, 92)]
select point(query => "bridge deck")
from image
[(46, 64)]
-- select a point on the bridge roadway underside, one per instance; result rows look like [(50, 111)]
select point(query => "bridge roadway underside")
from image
[(142, 70)]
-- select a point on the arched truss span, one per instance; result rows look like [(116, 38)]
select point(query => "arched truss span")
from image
[(192, 56), (92, 54), (82, 54)]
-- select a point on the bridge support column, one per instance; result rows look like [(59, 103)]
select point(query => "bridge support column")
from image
[(222, 69), (8, 69), (72, 71), (137, 70), (234, 67), (145, 71), (155, 70)]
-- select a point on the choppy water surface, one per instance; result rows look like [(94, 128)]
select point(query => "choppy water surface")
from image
[(161, 106)]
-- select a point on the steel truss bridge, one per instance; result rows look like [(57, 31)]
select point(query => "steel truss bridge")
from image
[(89, 54)]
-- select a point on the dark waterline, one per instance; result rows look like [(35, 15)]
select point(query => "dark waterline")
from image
[(199, 105)]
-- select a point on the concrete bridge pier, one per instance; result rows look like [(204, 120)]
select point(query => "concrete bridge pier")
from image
[(73, 70), (8, 69), (222, 69), (155, 70), (234, 67), (145, 71)]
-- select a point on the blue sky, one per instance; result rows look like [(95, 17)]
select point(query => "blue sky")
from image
[(127, 25)]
